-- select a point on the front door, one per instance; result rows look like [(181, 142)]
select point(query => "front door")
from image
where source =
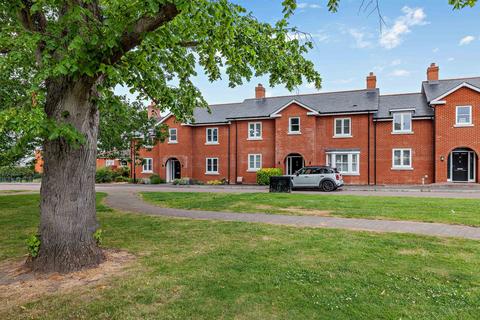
[(294, 163), (460, 167), (177, 171)]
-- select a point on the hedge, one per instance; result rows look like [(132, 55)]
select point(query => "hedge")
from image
[(107, 174), (263, 175), (17, 174)]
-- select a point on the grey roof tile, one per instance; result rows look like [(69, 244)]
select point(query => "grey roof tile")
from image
[(324, 103), (417, 101), (434, 89)]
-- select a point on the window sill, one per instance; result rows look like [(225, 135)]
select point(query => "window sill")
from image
[(402, 169), (340, 136), (254, 139), (402, 132), (252, 170), (294, 133), (147, 171), (212, 173), (349, 174), (463, 125), (172, 142), (211, 143)]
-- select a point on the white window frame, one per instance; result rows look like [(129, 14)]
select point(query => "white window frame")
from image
[(210, 129), (254, 137), (290, 126), (109, 163), (170, 140), (402, 166), (342, 134), (402, 129), (146, 164), (470, 123), (258, 165), (211, 171), (350, 154)]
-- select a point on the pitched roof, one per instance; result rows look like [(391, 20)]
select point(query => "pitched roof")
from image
[(323, 103), (416, 101), (434, 89)]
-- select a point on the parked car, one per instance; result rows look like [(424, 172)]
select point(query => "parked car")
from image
[(323, 177)]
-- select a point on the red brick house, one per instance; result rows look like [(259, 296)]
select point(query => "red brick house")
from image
[(432, 136)]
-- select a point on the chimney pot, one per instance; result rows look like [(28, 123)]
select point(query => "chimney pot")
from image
[(259, 91), (371, 81), (433, 72), (153, 111)]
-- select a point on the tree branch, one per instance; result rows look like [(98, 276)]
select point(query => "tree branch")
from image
[(133, 37)]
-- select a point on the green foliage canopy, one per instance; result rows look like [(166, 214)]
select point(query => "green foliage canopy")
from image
[(154, 47)]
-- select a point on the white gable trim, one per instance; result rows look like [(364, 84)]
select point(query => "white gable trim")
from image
[(165, 118), (310, 112), (438, 100)]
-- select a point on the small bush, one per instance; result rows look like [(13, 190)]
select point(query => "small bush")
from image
[(183, 181), (215, 182), (104, 175), (33, 245), (97, 236), (263, 175), (122, 171), (198, 182), (121, 179), (155, 179)]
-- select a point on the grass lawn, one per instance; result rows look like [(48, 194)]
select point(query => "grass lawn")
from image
[(189, 269), (452, 211)]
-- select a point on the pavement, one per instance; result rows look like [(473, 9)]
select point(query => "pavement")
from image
[(471, 191), (125, 200), (125, 197)]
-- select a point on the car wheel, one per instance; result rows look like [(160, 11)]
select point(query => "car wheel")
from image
[(328, 186)]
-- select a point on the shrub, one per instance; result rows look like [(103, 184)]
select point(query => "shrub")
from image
[(33, 245), (155, 179), (16, 174), (183, 181), (121, 179), (104, 175), (263, 175), (97, 236), (122, 171), (215, 182)]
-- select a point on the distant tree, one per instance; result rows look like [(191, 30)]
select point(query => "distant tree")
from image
[(61, 60)]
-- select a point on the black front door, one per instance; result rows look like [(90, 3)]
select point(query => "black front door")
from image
[(460, 166), (177, 170)]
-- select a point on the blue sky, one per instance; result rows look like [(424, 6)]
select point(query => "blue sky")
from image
[(349, 44)]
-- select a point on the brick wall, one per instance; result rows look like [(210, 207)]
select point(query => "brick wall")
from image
[(421, 143), (448, 137)]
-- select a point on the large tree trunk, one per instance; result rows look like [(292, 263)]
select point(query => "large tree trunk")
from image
[(68, 213)]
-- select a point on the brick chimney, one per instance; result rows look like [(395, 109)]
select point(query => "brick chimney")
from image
[(371, 81), (259, 91), (432, 72), (153, 111)]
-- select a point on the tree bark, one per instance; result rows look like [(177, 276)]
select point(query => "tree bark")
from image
[(67, 209)]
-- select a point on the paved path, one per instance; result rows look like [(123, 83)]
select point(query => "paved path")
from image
[(393, 191), (131, 201)]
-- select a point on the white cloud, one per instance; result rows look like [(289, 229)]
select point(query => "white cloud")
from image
[(466, 40), (343, 81), (396, 62), (360, 38), (392, 37), (320, 36), (400, 73), (306, 5)]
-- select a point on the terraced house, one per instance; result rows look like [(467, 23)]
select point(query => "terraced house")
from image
[(431, 136)]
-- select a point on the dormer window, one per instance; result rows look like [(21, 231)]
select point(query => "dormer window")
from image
[(464, 116), (402, 122)]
